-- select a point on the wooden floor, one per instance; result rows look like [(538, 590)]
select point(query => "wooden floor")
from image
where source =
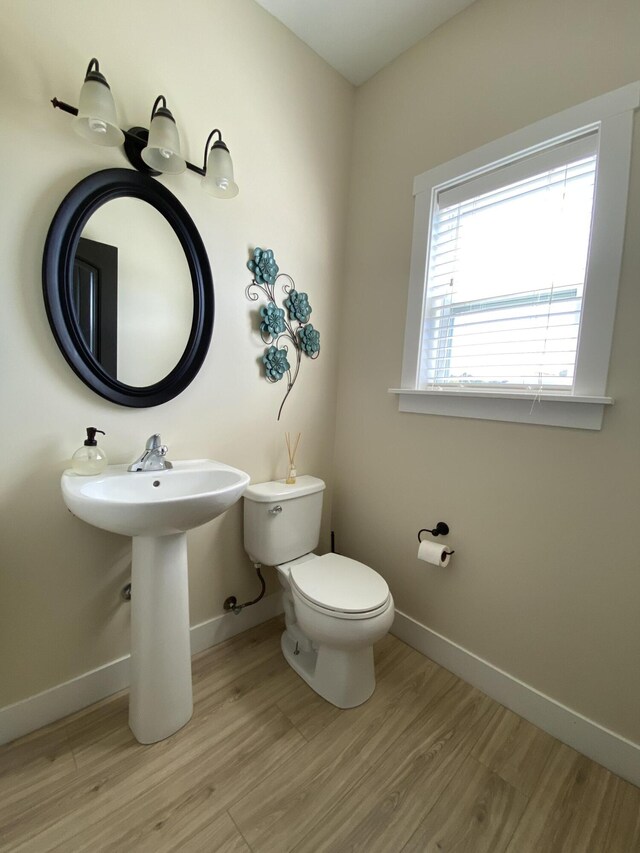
[(427, 764)]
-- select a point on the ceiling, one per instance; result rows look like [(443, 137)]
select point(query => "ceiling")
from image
[(359, 37)]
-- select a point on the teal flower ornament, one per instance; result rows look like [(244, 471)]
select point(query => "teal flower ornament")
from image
[(309, 340), (263, 266), (298, 305), (275, 363), (286, 331), (272, 320)]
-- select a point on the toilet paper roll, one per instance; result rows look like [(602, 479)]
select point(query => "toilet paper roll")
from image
[(434, 553)]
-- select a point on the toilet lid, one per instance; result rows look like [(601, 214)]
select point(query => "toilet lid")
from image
[(338, 583)]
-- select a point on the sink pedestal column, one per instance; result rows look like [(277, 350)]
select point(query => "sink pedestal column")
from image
[(161, 698)]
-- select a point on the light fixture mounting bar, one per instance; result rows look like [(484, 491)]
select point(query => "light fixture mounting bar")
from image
[(132, 138)]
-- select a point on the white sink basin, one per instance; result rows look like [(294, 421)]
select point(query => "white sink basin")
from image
[(154, 503), (156, 508)]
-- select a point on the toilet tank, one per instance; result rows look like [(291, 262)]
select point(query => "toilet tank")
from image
[(282, 522)]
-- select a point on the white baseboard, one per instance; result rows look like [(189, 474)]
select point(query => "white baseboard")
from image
[(36, 711), (614, 752)]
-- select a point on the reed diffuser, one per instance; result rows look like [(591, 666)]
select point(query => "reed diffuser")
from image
[(291, 450)]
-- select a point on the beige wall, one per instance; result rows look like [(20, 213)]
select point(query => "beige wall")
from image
[(287, 119), (545, 583)]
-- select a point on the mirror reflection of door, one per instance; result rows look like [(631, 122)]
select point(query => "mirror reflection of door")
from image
[(95, 300), (154, 303)]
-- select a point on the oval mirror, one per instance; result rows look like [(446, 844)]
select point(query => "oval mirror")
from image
[(128, 288)]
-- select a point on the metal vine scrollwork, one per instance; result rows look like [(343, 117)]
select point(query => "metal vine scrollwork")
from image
[(281, 329)]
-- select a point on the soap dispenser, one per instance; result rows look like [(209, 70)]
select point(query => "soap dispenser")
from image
[(89, 459)]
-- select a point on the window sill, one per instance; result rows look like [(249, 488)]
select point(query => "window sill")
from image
[(551, 408)]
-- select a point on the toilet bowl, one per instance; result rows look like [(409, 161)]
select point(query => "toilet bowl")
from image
[(340, 608), (335, 608)]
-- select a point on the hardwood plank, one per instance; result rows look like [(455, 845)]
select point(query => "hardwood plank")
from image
[(571, 808), (265, 684), (514, 749), (382, 812), (101, 730), (283, 809), (235, 656), (186, 805), (32, 763), (215, 838), (308, 712), (624, 831), (176, 796), (477, 813)]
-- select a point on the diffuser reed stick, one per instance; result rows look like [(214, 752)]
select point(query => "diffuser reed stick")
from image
[(291, 477)]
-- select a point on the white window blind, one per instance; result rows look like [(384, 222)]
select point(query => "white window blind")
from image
[(508, 255)]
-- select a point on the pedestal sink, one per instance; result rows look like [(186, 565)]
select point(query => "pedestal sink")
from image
[(156, 508)]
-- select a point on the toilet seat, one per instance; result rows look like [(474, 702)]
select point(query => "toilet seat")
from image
[(340, 587)]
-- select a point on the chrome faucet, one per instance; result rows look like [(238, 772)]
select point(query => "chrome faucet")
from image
[(153, 458)]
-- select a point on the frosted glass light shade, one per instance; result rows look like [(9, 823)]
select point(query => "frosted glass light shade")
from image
[(218, 180), (97, 121), (163, 148)]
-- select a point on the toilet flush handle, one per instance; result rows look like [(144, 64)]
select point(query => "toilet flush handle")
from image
[(275, 510)]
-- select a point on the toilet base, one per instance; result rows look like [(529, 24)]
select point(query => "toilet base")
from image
[(346, 678)]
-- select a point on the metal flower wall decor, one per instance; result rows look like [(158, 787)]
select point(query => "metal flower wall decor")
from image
[(281, 329)]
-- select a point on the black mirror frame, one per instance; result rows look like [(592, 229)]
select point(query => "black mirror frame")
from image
[(57, 279)]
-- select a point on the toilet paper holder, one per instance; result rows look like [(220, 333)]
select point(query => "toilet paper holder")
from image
[(441, 529)]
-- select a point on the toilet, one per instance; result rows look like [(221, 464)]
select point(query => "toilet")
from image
[(335, 608)]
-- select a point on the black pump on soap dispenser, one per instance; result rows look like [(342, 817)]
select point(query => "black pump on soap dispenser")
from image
[(89, 459)]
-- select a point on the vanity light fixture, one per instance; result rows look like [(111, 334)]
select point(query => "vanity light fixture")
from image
[(218, 169), (154, 151), (162, 153), (96, 117)]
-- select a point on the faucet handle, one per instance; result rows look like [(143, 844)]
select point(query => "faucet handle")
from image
[(153, 442)]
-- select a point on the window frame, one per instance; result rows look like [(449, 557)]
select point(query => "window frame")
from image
[(611, 115)]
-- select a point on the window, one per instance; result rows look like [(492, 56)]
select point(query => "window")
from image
[(506, 273), (516, 258)]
